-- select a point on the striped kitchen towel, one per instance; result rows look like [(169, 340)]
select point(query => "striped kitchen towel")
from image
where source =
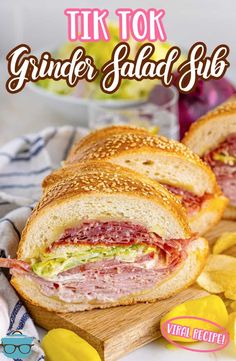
[(24, 162)]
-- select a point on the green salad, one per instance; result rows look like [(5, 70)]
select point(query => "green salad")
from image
[(101, 52)]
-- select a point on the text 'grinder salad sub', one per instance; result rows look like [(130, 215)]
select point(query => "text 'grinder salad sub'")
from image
[(213, 137), (102, 236), (169, 162)]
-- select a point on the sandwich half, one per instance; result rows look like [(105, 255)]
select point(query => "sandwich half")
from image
[(169, 162), (103, 236), (213, 138)]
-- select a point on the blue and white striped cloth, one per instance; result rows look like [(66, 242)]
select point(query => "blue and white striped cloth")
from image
[(24, 162)]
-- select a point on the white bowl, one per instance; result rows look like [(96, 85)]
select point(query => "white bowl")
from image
[(75, 110)]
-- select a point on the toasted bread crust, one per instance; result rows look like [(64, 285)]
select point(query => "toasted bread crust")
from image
[(96, 135), (225, 109), (101, 177), (110, 143), (115, 144), (90, 177), (104, 145)]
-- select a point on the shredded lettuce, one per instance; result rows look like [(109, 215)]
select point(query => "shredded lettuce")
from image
[(53, 263)]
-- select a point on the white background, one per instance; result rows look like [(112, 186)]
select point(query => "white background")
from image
[(42, 25)]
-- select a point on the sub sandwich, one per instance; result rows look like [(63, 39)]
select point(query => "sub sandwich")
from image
[(169, 162), (213, 138), (103, 236)]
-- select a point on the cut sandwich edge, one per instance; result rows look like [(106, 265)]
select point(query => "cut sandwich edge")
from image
[(181, 279)]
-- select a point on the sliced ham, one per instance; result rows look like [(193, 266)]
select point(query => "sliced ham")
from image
[(105, 280), (106, 286), (108, 279), (225, 173)]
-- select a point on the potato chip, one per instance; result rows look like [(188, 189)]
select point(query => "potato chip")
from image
[(219, 275), (230, 294), (220, 262), (227, 240), (225, 278), (205, 281), (233, 306)]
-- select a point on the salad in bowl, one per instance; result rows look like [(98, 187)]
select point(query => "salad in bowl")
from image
[(73, 104), (101, 51)]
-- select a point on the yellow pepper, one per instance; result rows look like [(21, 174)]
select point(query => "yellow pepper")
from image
[(211, 308), (62, 344)]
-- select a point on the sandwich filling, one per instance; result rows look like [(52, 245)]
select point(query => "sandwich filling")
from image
[(102, 260), (191, 202), (222, 160)]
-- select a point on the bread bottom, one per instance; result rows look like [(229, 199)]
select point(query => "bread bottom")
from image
[(182, 278)]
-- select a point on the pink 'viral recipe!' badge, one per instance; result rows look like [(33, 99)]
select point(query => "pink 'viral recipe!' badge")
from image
[(178, 327)]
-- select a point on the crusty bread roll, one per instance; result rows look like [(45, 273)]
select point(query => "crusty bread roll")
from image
[(209, 132), (166, 161), (131, 212), (206, 133), (89, 190)]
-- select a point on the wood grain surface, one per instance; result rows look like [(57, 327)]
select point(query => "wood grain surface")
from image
[(117, 331)]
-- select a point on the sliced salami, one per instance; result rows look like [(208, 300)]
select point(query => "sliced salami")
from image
[(189, 200), (105, 232)]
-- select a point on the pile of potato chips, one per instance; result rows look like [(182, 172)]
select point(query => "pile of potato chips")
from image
[(219, 276)]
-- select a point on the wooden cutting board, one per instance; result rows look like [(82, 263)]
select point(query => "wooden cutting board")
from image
[(117, 331)]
